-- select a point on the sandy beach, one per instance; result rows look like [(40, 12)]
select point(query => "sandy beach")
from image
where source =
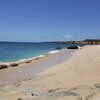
[(27, 70), (76, 78)]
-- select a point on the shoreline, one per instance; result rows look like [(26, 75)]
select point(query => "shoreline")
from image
[(19, 62), (27, 70), (76, 78)]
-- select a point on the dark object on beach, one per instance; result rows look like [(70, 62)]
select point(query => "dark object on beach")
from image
[(19, 99), (72, 47), (33, 94), (14, 64), (58, 48), (3, 66)]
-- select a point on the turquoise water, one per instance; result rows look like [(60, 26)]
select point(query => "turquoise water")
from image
[(13, 51)]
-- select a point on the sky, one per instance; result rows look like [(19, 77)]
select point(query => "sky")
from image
[(49, 20)]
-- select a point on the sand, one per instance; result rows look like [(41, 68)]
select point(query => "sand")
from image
[(77, 78)]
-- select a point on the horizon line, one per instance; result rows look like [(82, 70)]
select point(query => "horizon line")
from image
[(46, 41)]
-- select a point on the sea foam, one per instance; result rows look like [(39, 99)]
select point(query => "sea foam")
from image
[(52, 52)]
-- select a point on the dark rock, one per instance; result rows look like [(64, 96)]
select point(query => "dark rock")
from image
[(14, 64), (33, 94), (72, 47), (19, 99), (3, 66)]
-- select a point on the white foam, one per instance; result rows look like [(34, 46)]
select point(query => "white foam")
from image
[(29, 59), (79, 47), (21, 61), (41, 56), (5, 63), (52, 52)]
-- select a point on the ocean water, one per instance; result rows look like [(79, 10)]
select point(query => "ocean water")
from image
[(13, 51)]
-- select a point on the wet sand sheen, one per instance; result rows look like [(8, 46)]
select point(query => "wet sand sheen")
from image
[(26, 71)]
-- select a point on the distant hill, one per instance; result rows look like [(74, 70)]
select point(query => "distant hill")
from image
[(86, 42), (92, 40)]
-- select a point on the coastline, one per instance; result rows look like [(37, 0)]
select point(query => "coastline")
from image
[(4, 65), (19, 62), (77, 78), (27, 70)]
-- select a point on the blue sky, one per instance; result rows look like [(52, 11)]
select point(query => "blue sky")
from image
[(49, 20)]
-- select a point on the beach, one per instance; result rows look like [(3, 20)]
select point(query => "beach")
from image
[(75, 78), (36, 66)]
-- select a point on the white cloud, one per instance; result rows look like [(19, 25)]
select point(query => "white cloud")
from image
[(64, 36)]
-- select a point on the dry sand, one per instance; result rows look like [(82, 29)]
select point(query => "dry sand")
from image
[(74, 79)]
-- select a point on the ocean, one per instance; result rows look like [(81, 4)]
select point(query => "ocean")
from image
[(14, 51)]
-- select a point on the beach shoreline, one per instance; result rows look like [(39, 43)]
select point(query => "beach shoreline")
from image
[(27, 70), (77, 78), (4, 65)]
